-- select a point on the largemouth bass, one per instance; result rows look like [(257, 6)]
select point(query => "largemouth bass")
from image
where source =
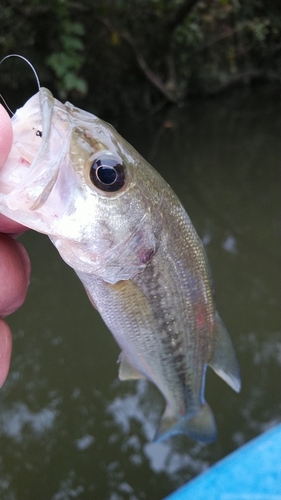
[(119, 225)]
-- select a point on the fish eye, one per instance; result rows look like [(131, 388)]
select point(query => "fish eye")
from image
[(107, 173)]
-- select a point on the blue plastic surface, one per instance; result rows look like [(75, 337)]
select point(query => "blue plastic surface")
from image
[(253, 472)]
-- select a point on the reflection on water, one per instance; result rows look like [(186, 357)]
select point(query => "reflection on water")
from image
[(68, 427), (18, 420)]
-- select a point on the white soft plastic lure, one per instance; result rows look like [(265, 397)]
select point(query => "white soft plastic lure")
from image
[(120, 226)]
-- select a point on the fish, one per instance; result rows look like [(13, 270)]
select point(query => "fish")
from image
[(123, 230)]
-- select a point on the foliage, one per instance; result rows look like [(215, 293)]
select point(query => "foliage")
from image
[(141, 53), (68, 59)]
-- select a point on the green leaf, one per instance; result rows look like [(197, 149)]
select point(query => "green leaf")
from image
[(73, 82), (72, 43)]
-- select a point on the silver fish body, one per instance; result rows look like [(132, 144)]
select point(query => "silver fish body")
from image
[(120, 226)]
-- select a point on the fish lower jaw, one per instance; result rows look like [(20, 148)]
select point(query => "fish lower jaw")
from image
[(83, 261), (109, 266)]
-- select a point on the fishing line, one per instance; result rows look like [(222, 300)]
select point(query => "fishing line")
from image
[(33, 69), (5, 102)]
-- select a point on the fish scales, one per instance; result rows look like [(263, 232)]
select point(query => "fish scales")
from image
[(179, 338), (127, 236)]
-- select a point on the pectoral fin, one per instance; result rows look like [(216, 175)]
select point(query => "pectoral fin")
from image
[(224, 361), (126, 370)]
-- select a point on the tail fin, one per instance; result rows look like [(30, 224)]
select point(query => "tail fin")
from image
[(224, 361), (201, 427)]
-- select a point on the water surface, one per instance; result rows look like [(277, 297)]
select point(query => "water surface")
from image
[(68, 427)]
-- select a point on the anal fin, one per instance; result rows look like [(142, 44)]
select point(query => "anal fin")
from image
[(223, 360)]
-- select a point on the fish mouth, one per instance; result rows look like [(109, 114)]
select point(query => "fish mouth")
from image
[(31, 170)]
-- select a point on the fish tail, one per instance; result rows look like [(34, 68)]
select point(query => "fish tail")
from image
[(201, 426), (224, 361), (167, 425)]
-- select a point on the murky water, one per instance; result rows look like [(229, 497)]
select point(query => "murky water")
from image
[(68, 427)]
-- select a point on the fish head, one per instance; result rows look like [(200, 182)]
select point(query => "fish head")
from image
[(72, 176)]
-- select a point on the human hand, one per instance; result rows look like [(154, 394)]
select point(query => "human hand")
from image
[(14, 261)]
